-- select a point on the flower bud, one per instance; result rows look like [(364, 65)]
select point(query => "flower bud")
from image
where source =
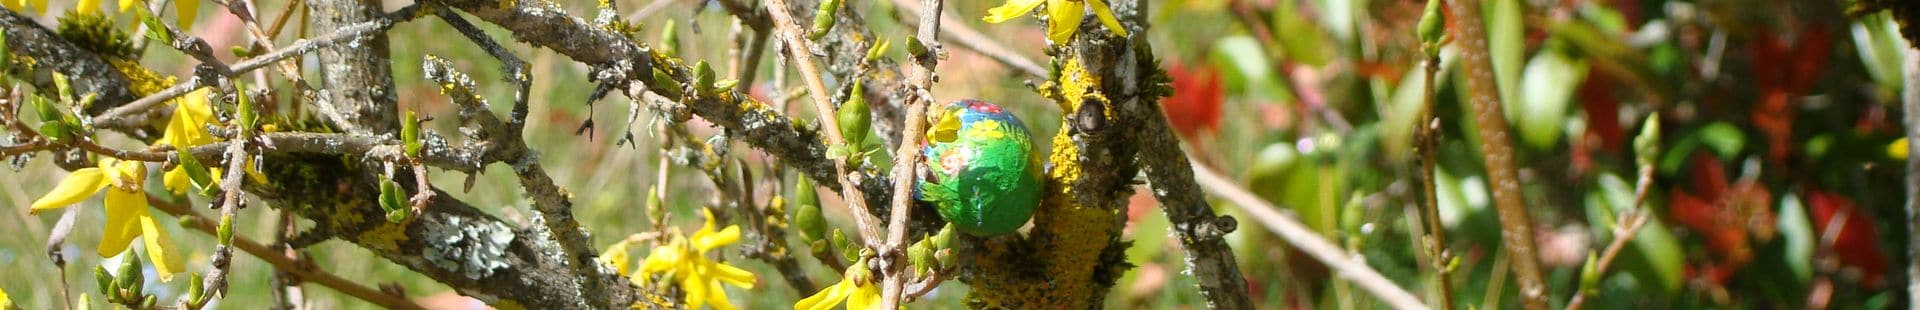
[(854, 117)]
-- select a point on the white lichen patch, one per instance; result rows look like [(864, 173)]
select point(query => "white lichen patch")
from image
[(476, 250)]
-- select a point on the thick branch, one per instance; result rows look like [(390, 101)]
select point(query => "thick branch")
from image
[(1496, 148), (88, 73), (1201, 232)]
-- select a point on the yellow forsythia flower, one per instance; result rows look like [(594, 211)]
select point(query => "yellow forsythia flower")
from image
[(685, 259), (856, 288), (1897, 149), (187, 129), (128, 216), (1063, 16)]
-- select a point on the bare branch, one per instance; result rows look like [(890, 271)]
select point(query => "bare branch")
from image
[(1496, 148), (1351, 268)]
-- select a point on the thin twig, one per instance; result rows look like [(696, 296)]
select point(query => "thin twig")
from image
[(1496, 145), (120, 115), (1300, 237), (798, 47), (1622, 232), (920, 78), (1426, 144), (267, 254), (973, 40), (1308, 99)]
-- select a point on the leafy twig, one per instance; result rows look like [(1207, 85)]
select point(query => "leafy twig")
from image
[(1623, 232)]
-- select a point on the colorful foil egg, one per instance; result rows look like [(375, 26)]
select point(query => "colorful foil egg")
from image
[(983, 174)]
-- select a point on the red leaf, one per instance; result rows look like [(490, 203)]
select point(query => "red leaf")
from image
[(1858, 243), (1194, 107)]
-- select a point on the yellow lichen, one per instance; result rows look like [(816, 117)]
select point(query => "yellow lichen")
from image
[(384, 237), (143, 82), (1068, 255)]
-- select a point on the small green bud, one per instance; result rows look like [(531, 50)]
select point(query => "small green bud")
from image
[(396, 216), (855, 117), (226, 229), (1646, 145), (248, 117), (813, 226), (920, 254), (157, 31), (1589, 274), (655, 209), (662, 78), (848, 249), (57, 131), (916, 48), (725, 85), (878, 50), (670, 39), (703, 77), (823, 18), (196, 172), (196, 291), (62, 86), (149, 302), (129, 277), (944, 239), (241, 51), (1433, 24), (945, 257), (44, 109), (103, 279), (410, 134)]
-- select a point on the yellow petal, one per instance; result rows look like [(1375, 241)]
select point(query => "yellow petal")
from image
[(16, 5), (864, 298), (123, 214), (126, 175), (826, 299), (1105, 14), (127, 4), (159, 247), (5, 302), (662, 258), (719, 297), (732, 275), (187, 10), (1011, 10), (696, 291), (87, 6), (176, 180), (616, 256), (75, 188), (710, 240), (1897, 149), (1063, 18), (40, 6)]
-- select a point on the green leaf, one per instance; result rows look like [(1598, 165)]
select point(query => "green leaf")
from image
[(1507, 46), (1302, 40), (1723, 138), (1540, 115), (1881, 49), (1797, 235)]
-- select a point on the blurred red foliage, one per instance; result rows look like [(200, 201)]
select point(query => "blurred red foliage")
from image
[(1857, 244), (1194, 108)]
